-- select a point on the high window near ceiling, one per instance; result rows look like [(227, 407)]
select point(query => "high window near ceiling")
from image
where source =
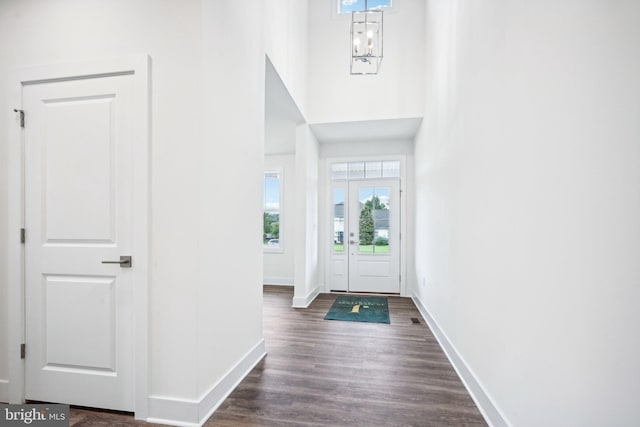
[(348, 6), (272, 211)]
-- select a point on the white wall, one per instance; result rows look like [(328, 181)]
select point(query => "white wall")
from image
[(286, 25), (306, 268), (281, 114), (527, 172), (231, 184), (360, 149), (395, 92), (72, 30), (207, 129), (279, 266), (4, 320)]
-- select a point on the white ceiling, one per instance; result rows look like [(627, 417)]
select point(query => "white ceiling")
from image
[(369, 130)]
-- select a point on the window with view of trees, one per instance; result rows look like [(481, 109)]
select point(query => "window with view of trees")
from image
[(271, 211), (373, 224)]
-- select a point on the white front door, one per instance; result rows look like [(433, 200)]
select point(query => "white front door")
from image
[(373, 236), (365, 252), (78, 214)]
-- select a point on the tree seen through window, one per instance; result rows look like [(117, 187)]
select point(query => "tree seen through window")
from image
[(271, 211)]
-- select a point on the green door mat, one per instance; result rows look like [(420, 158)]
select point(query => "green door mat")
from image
[(359, 308)]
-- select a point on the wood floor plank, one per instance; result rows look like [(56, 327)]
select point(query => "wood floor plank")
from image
[(331, 373)]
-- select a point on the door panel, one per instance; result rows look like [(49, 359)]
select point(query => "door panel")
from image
[(78, 213), (82, 308), (373, 268), (79, 143)]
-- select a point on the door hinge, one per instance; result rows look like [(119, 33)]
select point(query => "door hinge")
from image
[(21, 112), (23, 235), (23, 351)]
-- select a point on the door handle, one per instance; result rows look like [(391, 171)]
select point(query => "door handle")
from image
[(125, 261), (353, 242)]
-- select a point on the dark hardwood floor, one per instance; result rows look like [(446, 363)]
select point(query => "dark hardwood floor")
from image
[(330, 373)]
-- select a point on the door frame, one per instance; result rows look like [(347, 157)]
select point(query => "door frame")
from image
[(139, 67), (326, 234)]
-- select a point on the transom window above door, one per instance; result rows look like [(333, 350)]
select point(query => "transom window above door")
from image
[(365, 170)]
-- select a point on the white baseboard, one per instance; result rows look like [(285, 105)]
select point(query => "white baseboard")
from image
[(286, 281), (213, 398), (173, 411), (304, 302), (4, 391), (485, 404), (191, 413)]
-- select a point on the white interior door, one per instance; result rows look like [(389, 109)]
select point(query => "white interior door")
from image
[(78, 213)]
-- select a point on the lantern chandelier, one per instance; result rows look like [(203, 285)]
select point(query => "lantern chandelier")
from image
[(366, 40)]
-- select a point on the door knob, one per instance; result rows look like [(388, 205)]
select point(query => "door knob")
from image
[(125, 261)]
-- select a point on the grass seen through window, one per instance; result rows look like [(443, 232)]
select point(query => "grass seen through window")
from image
[(366, 249)]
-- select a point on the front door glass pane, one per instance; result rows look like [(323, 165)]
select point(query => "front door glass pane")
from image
[(373, 223), (338, 220)]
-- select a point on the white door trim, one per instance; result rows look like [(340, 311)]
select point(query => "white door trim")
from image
[(140, 67)]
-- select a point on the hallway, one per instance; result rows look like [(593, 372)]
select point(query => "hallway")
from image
[(331, 373), (142, 131)]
